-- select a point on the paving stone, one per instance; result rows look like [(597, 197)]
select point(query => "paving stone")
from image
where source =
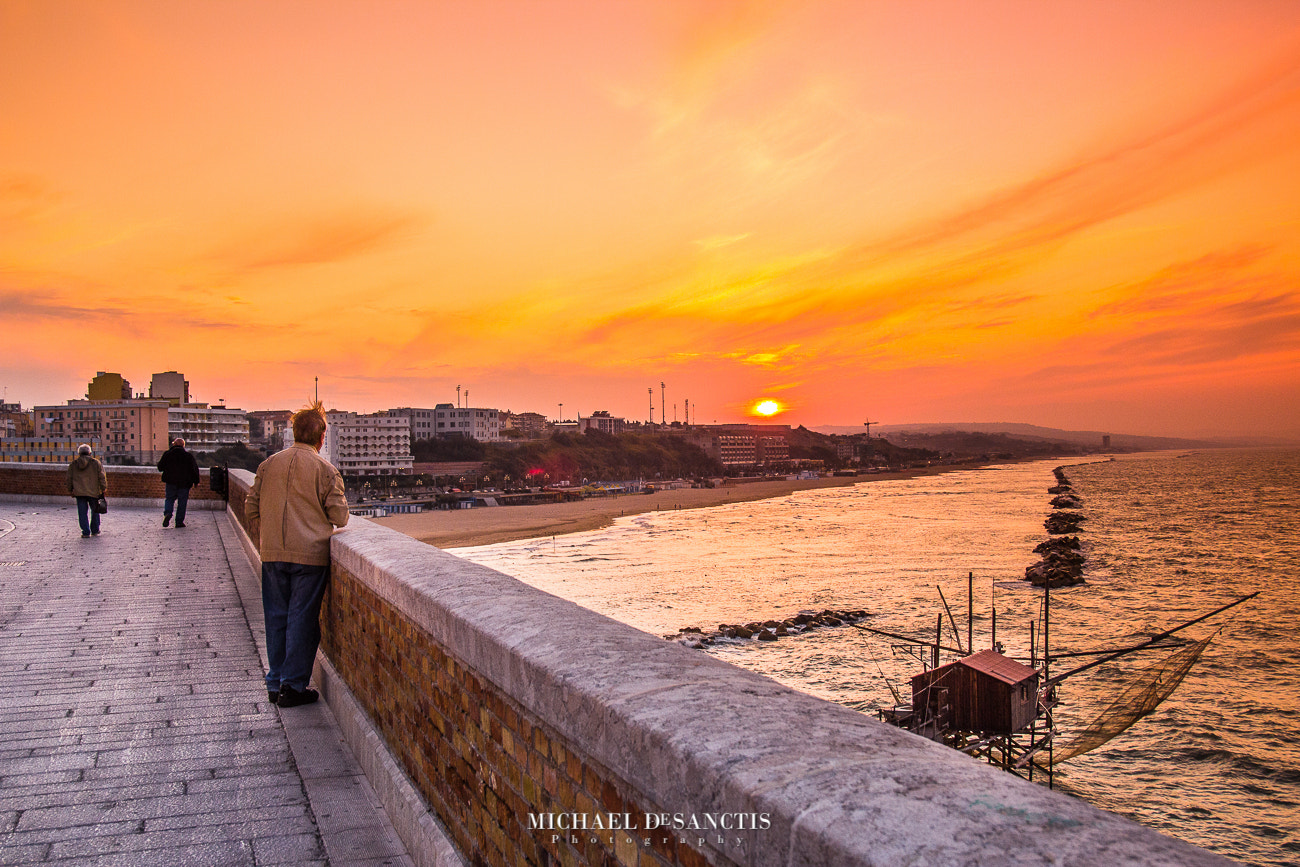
[(136, 729)]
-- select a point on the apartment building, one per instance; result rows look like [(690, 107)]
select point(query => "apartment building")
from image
[(14, 421), (477, 423), (170, 386), (421, 420), (375, 444), (207, 428), (266, 427), (602, 421), (530, 424), (43, 450), (742, 445), (127, 430)]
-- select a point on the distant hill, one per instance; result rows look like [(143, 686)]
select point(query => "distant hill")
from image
[(1088, 438)]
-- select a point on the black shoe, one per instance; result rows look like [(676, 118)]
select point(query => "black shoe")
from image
[(167, 519), (290, 697), (85, 535), (272, 696), (180, 524)]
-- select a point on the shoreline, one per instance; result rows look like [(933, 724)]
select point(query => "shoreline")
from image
[(472, 528)]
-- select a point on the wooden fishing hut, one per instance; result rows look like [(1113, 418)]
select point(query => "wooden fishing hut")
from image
[(985, 692)]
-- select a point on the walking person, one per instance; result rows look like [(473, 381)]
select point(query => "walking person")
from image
[(180, 472), (296, 502), (87, 482)]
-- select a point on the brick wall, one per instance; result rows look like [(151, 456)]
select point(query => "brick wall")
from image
[(124, 483), (483, 762), (500, 702)]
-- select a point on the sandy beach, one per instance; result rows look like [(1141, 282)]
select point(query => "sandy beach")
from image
[(464, 528)]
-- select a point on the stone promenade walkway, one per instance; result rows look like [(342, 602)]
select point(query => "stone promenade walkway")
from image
[(134, 727)]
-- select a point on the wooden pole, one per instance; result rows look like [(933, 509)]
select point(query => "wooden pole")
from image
[(970, 611), (953, 623), (938, 634)]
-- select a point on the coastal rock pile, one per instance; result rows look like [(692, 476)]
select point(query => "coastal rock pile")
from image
[(768, 630), (1061, 564)]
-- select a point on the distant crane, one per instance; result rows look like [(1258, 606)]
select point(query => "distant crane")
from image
[(869, 424)]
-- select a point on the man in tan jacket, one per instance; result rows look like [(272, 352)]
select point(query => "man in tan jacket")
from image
[(87, 482), (296, 502)]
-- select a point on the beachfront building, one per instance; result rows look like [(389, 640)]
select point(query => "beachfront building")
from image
[(207, 428), (374, 444), (602, 421), (531, 424), (477, 423), (129, 431), (743, 446), (420, 419)]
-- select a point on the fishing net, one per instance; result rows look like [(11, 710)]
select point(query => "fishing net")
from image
[(1150, 686)]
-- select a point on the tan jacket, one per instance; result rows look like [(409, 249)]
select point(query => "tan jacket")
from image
[(296, 502), (86, 477)]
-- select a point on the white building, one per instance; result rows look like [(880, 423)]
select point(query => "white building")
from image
[(481, 424), (602, 421), (367, 445), (421, 420), (207, 428)]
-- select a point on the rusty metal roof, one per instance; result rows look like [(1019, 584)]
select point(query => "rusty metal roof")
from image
[(994, 664)]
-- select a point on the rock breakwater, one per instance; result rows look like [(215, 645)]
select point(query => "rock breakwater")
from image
[(1060, 561), (768, 630)]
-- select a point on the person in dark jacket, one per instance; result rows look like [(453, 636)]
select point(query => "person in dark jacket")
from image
[(87, 482), (180, 472)]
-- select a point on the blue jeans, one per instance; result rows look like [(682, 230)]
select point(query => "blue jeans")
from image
[(180, 495), (89, 523), (291, 599)]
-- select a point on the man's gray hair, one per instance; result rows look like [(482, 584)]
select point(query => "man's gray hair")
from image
[(83, 449), (178, 443)]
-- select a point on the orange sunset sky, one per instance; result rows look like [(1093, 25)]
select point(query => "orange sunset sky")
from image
[(1080, 215)]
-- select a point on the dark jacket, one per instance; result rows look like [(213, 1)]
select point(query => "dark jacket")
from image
[(179, 468)]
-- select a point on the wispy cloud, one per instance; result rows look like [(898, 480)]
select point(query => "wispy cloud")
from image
[(314, 239)]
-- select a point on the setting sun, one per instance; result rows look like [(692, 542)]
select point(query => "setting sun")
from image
[(767, 407)]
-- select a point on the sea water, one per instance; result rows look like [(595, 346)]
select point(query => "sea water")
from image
[(1168, 536)]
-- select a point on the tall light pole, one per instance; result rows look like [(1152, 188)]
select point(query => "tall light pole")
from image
[(651, 392), (663, 403), (458, 397)]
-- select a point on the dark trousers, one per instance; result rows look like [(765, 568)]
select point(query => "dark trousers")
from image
[(89, 522), (291, 599), (180, 495)]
